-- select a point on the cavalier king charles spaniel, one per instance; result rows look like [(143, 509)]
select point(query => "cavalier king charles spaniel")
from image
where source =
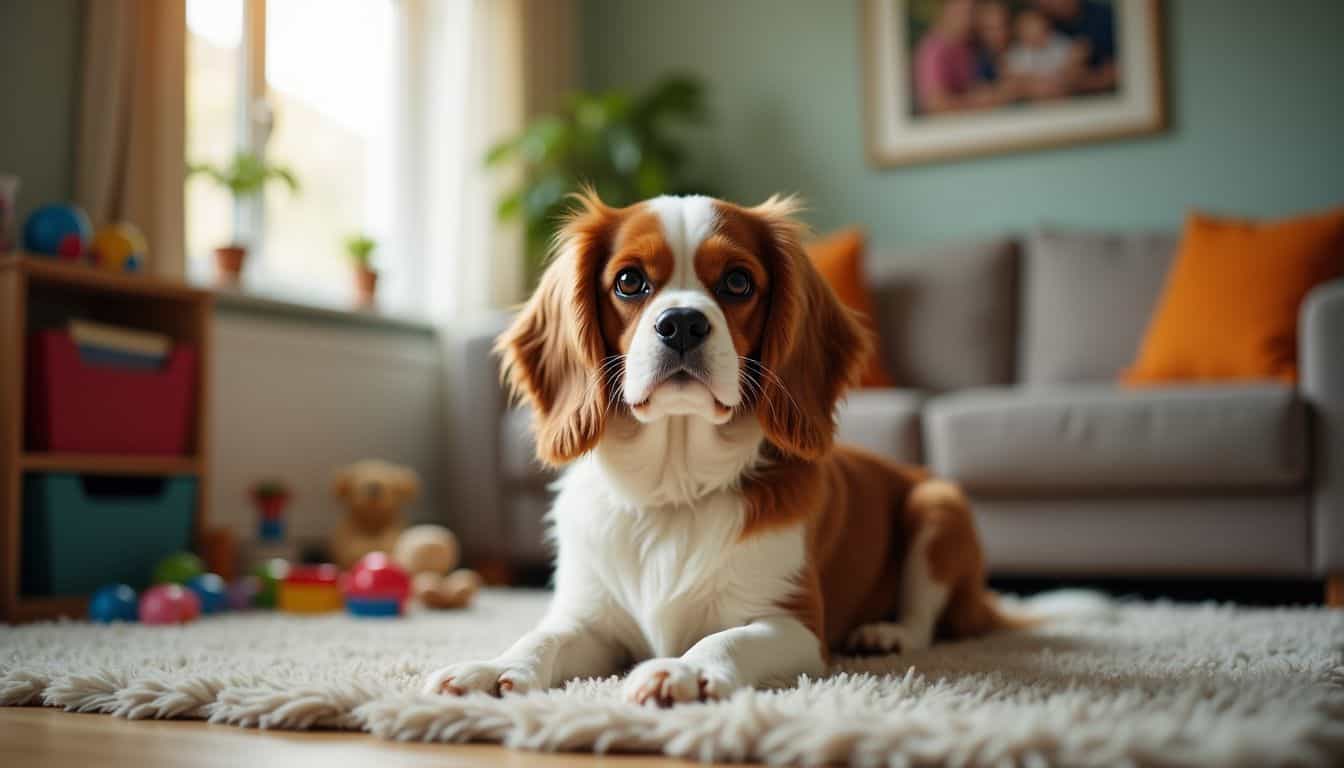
[(684, 360)]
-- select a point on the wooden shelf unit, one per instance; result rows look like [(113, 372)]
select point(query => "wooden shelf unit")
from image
[(141, 301)]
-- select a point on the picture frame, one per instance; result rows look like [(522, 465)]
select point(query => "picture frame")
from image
[(954, 79)]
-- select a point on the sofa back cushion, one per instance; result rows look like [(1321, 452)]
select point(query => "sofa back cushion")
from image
[(1086, 300), (947, 315)]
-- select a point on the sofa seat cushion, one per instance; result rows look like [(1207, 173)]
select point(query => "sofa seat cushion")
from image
[(1107, 439), (884, 421)]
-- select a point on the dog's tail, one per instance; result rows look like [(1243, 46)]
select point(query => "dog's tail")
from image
[(984, 611)]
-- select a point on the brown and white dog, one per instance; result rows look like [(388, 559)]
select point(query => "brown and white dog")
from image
[(684, 361)]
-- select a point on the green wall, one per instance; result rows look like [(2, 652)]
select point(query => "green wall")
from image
[(39, 65), (1256, 95)]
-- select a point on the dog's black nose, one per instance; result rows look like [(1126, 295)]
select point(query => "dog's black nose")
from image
[(682, 328)]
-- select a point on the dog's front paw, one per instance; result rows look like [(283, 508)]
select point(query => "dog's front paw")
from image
[(665, 682), (489, 677)]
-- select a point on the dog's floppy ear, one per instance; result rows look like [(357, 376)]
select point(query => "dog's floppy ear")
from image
[(813, 348), (553, 352)]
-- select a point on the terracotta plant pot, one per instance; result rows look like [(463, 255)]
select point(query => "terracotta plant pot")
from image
[(366, 285), (229, 263)]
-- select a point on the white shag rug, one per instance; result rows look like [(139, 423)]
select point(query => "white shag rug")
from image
[(1138, 684)]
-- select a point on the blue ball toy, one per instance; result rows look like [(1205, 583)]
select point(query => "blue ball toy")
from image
[(58, 230), (212, 591), (114, 602)]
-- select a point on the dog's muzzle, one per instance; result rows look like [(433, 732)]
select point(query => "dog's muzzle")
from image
[(682, 328)]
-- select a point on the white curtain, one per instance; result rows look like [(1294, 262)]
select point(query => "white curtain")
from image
[(130, 136), (486, 67)]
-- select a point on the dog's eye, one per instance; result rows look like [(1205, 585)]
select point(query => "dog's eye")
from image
[(735, 284), (631, 283)]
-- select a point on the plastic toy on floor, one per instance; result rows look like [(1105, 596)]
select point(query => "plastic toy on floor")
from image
[(178, 568), (211, 591), (311, 589), (429, 553), (270, 498), (268, 576), (114, 602), (169, 604), (376, 586)]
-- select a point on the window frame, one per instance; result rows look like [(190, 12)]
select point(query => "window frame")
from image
[(252, 128)]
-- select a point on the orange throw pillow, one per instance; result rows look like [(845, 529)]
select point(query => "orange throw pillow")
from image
[(1229, 307), (839, 259)]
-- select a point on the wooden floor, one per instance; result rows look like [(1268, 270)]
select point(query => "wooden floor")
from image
[(35, 737)]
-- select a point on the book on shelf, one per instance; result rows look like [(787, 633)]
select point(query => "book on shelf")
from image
[(115, 345)]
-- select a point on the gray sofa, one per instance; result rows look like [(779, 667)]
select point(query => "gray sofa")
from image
[(1009, 351)]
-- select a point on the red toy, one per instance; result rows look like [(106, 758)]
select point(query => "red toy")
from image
[(376, 586), (169, 604), (311, 589)]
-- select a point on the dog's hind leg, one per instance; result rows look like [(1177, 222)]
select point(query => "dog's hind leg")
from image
[(943, 569), (921, 603)]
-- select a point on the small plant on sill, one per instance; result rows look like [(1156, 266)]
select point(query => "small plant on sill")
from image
[(359, 248), (243, 177)]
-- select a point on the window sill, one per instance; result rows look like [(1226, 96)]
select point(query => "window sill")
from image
[(238, 301)]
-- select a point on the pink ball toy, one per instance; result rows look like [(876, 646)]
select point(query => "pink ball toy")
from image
[(169, 604)]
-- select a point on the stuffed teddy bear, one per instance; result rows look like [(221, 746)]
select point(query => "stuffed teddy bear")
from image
[(429, 554), (374, 493)]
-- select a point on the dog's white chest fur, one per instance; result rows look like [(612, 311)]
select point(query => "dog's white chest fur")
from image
[(654, 521)]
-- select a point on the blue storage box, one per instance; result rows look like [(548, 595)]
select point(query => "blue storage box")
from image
[(83, 531)]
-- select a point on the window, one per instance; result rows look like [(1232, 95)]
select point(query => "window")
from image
[(313, 85)]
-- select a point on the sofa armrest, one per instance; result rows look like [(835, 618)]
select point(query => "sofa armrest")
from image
[(475, 405), (1321, 365)]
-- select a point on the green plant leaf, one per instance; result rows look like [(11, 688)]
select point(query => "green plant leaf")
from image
[(681, 96), (246, 174), (544, 194), (627, 146), (542, 139), (501, 151), (509, 206), (651, 180), (624, 149)]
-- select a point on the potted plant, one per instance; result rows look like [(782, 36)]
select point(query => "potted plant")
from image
[(244, 177), (360, 248), (628, 147)]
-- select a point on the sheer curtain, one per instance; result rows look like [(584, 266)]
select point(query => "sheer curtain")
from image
[(479, 69), (130, 133)]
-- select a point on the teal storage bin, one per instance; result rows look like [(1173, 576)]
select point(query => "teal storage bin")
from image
[(83, 531)]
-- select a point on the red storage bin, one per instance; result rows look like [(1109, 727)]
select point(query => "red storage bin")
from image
[(80, 406)]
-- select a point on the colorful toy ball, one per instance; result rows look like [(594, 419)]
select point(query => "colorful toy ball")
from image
[(119, 247), (376, 586), (57, 230), (178, 568), (243, 593), (114, 602), (211, 591), (269, 575), (311, 589), (169, 604)]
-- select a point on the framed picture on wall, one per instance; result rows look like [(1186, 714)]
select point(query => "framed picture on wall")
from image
[(949, 79)]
